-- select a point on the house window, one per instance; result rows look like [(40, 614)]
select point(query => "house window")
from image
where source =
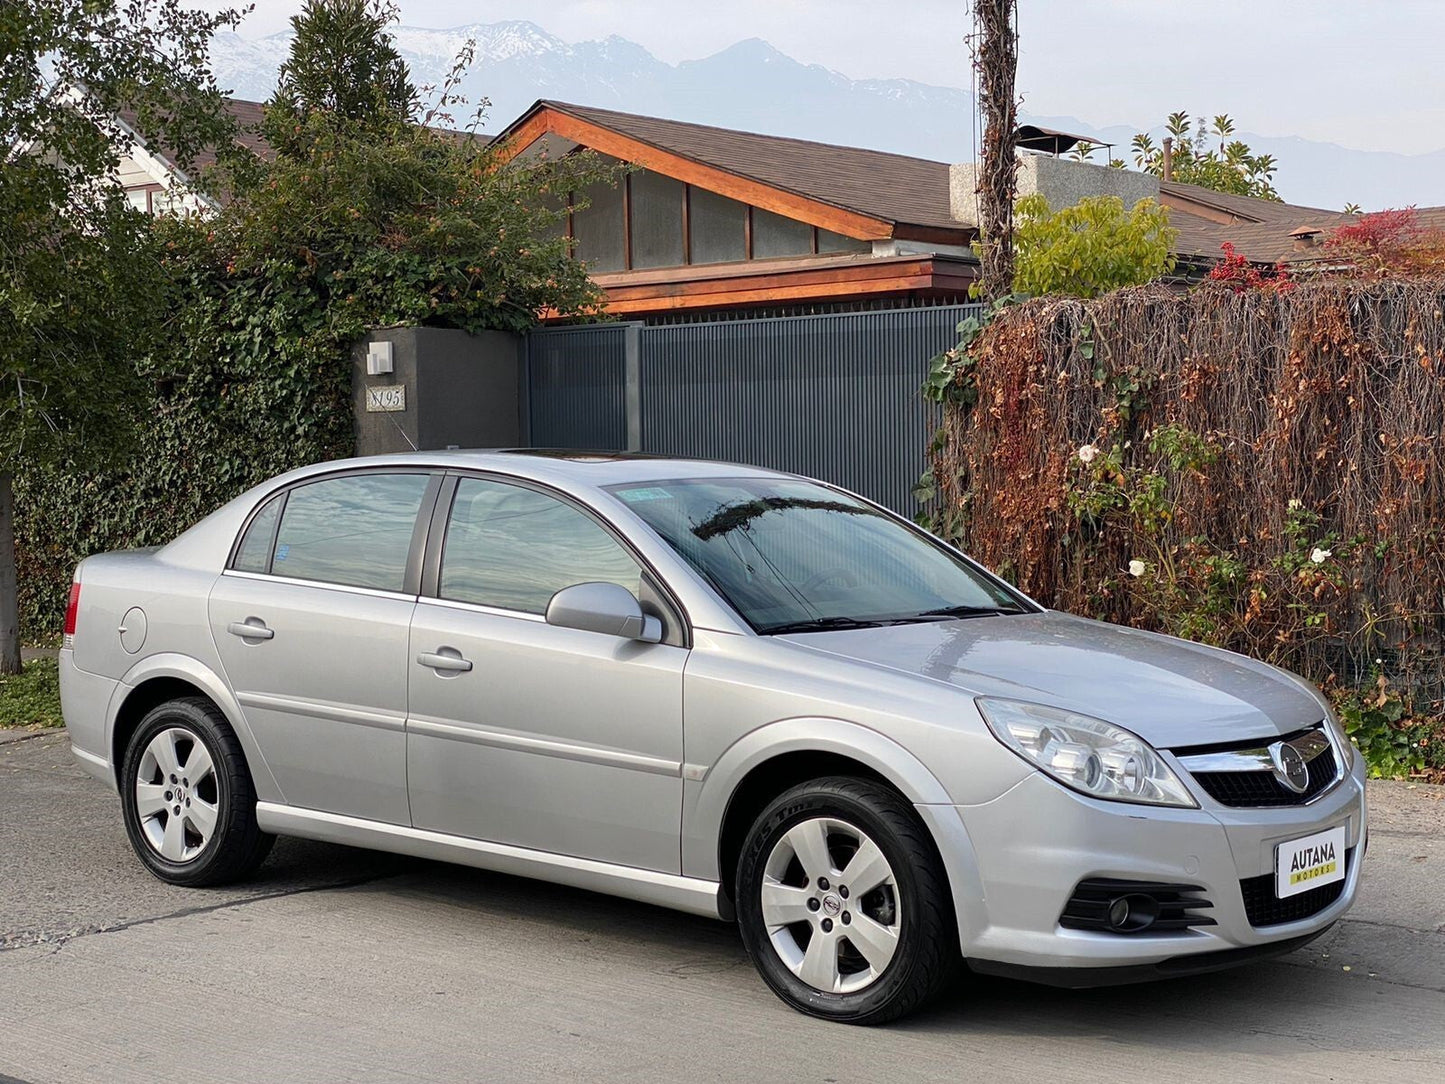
[(598, 227), (828, 241), (774, 235), (647, 220), (656, 206), (719, 227)]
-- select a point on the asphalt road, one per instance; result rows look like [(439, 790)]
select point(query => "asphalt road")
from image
[(338, 965)]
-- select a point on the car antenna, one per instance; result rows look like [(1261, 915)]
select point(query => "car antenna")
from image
[(402, 431)]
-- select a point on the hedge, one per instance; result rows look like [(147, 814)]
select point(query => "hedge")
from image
[(1263, 470)]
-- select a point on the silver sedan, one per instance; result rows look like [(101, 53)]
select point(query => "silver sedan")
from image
[(716, 688)]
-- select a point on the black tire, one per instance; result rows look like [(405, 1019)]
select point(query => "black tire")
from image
[(927, 956), (237, 846)]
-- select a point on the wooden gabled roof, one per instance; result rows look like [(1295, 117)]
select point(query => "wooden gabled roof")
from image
[(870, 195)]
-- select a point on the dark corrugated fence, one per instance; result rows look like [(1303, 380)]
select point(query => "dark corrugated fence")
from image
[(577, 387), (834, 396)]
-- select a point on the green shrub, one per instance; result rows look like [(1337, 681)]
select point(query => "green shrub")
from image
[(1393, 742), (1256, 472), (31, 697), (356, 227), (1090, 248)]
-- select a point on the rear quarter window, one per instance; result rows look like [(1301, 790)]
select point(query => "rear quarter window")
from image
[(254, 552)]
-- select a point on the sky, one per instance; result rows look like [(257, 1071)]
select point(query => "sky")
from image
[(1361, 73)]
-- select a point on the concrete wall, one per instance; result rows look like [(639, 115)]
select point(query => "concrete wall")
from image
[(1062, 182), (458, 390)]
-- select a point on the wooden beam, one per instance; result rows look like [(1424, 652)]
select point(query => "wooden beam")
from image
[(686, 224), (734, 298), (935, 235), (919, 276), (627, 221), (606, 141)]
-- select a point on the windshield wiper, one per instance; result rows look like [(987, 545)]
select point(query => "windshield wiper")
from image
[(820, 624), (971, 611)]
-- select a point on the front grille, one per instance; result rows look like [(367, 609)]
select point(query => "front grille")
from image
[(1242, 774), (1170, 911), (1265, 909), (1261, 788)]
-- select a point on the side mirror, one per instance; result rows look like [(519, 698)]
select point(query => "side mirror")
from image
[(603, 607)]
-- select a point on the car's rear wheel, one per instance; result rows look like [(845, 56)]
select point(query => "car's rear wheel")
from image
[(843, 904), (187, 796)]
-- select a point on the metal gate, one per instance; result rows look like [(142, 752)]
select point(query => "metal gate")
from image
[(833, 396)]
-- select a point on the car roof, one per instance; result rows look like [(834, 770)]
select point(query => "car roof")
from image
[(569, 467)]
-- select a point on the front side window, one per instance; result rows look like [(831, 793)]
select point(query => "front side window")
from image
[(354, 530), (514, 548), (792, 555)]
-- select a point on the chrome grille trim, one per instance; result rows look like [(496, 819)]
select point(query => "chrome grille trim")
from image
[(1310, 745)]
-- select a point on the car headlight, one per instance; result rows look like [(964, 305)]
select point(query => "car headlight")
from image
[(1347, 747), (1085, 754)]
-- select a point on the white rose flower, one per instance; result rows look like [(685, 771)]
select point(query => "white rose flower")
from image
[(1319, 556), (1087, 454), (1136, 567)]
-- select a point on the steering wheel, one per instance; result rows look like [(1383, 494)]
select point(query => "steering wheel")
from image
[(844, 577)]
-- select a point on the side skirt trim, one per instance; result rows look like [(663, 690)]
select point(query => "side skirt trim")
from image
[(691, 894)]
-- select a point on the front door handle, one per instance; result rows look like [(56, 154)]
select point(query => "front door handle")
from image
[(445, 658), (253, 628)]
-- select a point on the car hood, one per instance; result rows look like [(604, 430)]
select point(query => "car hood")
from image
[(1170, 692)]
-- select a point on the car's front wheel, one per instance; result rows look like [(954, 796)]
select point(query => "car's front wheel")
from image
[(843, 904), (187, 796)]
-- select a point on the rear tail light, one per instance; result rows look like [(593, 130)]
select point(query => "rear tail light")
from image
[(72, 611)]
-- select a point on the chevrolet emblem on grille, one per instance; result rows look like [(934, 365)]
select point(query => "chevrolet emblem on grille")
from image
[(1289, 766)]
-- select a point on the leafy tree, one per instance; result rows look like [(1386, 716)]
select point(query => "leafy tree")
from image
[(1227, 166), (77, 300), (354, 223), (1388, 243), (371, 219), (343, 64), (1090, 248)]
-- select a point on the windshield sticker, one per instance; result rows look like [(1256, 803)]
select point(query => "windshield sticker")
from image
[(281, 551), (653, 493)]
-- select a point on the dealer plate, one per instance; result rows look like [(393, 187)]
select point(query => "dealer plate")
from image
[(1309, 862)]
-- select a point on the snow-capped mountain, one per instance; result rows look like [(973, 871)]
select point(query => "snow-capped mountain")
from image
[(752, 85)]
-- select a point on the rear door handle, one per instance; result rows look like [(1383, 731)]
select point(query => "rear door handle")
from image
[(445, 658), (253, 628)]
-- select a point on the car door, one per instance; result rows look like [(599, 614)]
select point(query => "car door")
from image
[(525, 733), (312, 620)]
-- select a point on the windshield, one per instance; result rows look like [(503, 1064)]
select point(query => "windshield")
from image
[(793, 556)]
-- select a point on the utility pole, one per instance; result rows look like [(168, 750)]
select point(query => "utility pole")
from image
[(995, 43)]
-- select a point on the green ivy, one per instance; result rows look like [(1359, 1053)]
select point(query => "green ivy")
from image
[(355, 228), (1393, 743)]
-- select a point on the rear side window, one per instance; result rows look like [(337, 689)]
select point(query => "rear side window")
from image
[(514, 548), (254, 552), (355, 530)]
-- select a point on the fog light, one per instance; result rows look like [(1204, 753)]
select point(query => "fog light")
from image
[(1132, 913)]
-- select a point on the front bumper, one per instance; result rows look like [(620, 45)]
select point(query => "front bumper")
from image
[(1028, 849)]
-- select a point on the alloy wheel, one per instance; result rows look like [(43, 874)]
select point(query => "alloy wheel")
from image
[(830, 903), (177, 797)]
